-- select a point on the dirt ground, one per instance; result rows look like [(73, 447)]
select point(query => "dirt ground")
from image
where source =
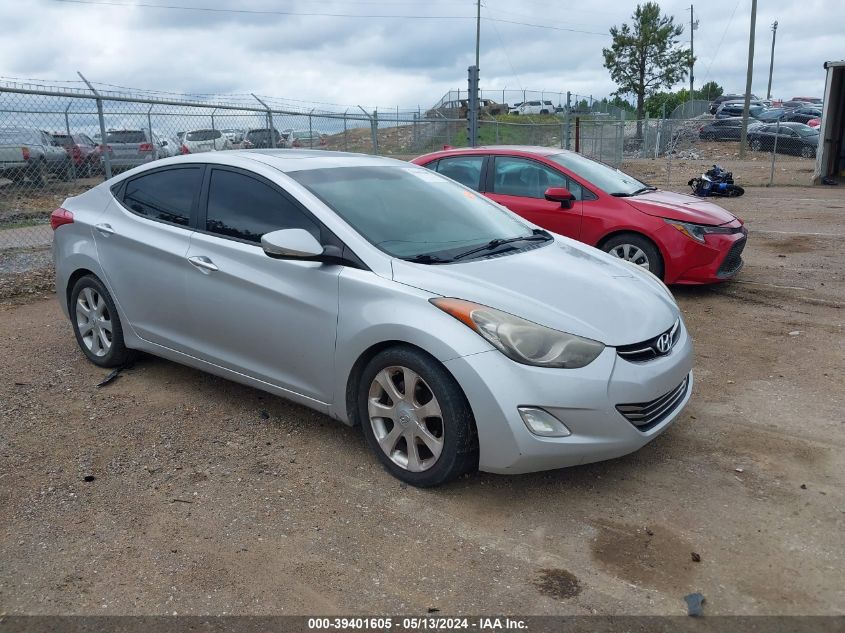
[(169, 490)]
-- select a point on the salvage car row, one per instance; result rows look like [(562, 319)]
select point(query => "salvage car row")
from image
[(30, 154)]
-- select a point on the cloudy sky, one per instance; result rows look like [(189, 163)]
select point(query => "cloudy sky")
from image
[(270, 47)]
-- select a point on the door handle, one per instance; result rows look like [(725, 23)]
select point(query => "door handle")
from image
[(105, 229), (203, 263)]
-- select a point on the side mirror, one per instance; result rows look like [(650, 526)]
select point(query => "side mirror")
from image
[(291, 244), (560, 194)]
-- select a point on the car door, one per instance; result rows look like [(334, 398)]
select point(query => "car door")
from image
[(520, 184), (271, 319), (142, 240)]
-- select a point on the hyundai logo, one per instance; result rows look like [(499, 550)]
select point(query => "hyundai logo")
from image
[(663, 343)]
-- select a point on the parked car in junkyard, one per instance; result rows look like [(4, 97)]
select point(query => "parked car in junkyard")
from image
[(128, 148), (815, 123), (262, 138), (170, 146), (457, 334), (677, 237), (803, 114), (235, 136), (724, 129), (533, 107), (714, 105), (792, 138), (303, 139), (83, 151), (731, 109), (206, 140), (31, 154)]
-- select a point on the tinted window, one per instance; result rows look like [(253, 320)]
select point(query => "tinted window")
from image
[(126, 136), (164, 195), (203, 135), (62, 139), (246, 208), (16, 136), (526, 178), (465, 169)]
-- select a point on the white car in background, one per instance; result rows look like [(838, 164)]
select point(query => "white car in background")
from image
[(533, 107), (198, 141)]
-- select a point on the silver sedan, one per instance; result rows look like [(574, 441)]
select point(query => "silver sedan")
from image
[(380, 293)]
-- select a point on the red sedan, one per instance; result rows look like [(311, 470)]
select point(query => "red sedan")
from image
[(680, 238)]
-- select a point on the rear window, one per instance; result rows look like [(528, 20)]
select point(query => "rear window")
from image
[(17, 136), (126, 136), (166, 195), (62, 139), (203, 135)]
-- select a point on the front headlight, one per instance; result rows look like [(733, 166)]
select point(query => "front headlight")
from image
[(521, 340), (698, 231)]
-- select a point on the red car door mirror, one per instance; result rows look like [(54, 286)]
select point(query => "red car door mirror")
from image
[(560, 194)]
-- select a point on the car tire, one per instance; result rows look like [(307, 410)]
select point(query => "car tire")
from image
[(66, 172), (637, 249), (756, 145), (807, 152), (421, 451), (96, 324), (39, 175)]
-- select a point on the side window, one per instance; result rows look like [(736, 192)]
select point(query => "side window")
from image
[(465, 169), (529, 179), (166, 195), (245, 208)]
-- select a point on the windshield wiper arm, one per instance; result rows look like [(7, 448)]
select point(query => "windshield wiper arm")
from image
[(644, 189), (538, 235), (426, 258)]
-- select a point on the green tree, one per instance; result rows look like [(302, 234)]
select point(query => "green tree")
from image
[(709, 91), (646, 56)]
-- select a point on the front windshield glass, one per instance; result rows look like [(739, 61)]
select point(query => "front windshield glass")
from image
[(603, 176), (411, 211)]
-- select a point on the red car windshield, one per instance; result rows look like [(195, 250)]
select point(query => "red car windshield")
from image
[(603, 176)]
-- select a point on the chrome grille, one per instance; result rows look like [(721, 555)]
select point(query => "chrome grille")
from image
[(647, 350), (645, 415)]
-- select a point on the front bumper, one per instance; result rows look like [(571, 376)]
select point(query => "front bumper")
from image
[(583, 399), (691, 262)]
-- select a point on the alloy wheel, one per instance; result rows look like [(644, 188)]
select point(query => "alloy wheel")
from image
[(807, 152), (94, 322), (406, 418), (631, 253)]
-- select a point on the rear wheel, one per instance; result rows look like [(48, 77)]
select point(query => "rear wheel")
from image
[(416, 419), (807, 152), (756, 145), (96, 324), (636, 249), (38, 174)]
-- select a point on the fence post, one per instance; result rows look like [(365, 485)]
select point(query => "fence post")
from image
[(150, 129), (577, 134), (345, 138), (106, 157), (310, 131), (70, 138), (644, 148), (374, 129), (566, 117), (774, 153), (269, 121), (621, 138)]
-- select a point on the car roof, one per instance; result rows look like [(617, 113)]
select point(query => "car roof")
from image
[(498, 149)]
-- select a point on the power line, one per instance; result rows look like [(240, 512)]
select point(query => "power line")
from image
[(172, 7), (507, 57)]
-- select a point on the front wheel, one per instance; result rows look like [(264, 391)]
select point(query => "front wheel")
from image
[(96, 324), (416, 419), (636, 249), (756, 145), (807, 152)]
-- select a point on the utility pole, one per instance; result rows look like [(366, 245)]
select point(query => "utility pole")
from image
[(692, 27), (743, 137), (772, 60), (477, 30)]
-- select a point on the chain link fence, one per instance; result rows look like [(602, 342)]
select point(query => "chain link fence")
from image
[(57, 142)]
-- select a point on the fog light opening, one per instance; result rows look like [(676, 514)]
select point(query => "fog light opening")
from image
[(541, 422)]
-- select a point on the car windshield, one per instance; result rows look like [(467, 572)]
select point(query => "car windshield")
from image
[(603, 176), (411, 212)]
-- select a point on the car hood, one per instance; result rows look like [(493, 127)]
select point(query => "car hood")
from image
[(681, 207), (563, 285)]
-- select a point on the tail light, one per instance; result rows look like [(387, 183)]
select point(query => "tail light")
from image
[(104, 148), (296, 143), (445, 147), (59, 217), (25, 152), (322, 140), (184, 149), (145, 147)]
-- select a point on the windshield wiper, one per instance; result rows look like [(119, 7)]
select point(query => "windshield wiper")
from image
[(622, 194), (644, 189), (425, 258), (538, 235)]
